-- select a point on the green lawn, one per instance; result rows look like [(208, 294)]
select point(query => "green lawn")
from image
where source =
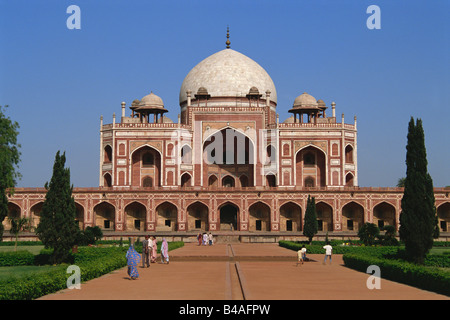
[(33, 249), (19, 271), (440, 250)]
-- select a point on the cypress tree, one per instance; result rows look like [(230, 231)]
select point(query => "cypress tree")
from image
[(418, 222), (57, 227), (311, 226)]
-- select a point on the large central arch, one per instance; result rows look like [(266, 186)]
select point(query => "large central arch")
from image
[(228, 152)]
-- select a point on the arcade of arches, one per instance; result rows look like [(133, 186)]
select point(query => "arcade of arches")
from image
[(201, 215)]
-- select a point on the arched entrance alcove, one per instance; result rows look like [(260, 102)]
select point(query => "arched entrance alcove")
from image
[(145, 167), (243, 180), (324, 216), (228, 182), (259, 217), (290, 217), (349, 181), (13, 213), (79, 215), (443, 213), (107, 181), (271, 180), (166, 219), (135, 216), (104, 216), (197, 216), (186, 155), (352, 216), (186, 180), (107, 154), (35, 211), (212, 181), (384, 215), (310, 167), (229, 217)]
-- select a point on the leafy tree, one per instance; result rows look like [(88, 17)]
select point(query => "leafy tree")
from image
[(57, 227), (368, 233), (90, 235), (401, 182), (418, 222), (9, 160), (311, 226), (18, 225), (389, 238)]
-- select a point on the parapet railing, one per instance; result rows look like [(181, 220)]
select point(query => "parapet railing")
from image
[(226, 189)]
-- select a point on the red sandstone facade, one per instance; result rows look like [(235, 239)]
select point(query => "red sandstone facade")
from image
[(228, 163)]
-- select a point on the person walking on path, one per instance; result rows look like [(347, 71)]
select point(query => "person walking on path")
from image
[(146, 252), (133, 259), (301, 255), (328, 251), (164, 251), (154, 248), (199, 239), (210, 239)]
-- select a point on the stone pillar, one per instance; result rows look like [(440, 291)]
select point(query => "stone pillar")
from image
[(188, 97), (123, 110)]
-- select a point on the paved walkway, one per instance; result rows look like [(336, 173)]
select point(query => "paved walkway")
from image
[(240, 271)]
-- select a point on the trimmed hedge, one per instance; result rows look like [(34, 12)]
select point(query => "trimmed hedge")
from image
[(36, 285), (93, 263), (430, 277), (339, 249), (20, 243), (19, 258), (423, 277)]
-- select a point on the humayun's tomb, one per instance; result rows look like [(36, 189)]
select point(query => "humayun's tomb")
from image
[(228, 165)]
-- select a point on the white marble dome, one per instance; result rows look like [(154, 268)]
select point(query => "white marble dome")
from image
[(228, 73)]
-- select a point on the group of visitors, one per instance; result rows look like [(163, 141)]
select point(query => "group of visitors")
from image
[(205, 239), (301, 254), (149, 251)]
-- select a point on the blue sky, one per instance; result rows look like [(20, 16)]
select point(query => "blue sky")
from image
[(58, 82)]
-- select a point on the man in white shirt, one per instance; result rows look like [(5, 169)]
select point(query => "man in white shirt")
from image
[(210, 237), (328, 251)]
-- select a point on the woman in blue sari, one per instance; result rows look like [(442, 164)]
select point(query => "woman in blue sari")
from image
[(133, 259)]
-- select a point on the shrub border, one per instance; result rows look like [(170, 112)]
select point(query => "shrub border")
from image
[(91, 266), (422, 277)]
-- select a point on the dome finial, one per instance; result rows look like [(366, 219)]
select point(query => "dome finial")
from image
[(228, 38)]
